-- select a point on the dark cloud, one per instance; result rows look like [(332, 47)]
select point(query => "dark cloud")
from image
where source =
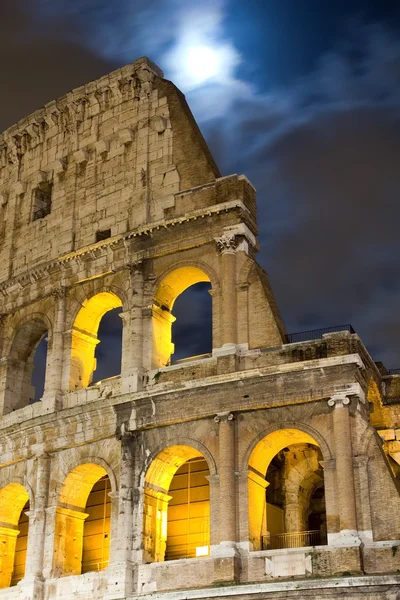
[(325, 161), (40, 61)]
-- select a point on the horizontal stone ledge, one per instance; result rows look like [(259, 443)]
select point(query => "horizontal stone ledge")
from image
[(298, 585)]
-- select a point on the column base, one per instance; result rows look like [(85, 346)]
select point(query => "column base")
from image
[(228, 349), (124, 573), (226, 562), (223, 550), (346, 537), (134, 382), (32, 587)]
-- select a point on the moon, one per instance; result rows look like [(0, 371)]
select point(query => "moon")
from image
[(202, 63)]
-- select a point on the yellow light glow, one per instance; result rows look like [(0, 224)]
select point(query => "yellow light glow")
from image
[(202, 551), (259, 461), (84, 337), (173, 284)]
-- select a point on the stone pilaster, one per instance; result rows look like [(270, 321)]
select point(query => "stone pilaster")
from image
[(55, 362), (227, 478), (132, 338), (121, 562), (364, 516), (344, 464), (37, 521), (227, 245)]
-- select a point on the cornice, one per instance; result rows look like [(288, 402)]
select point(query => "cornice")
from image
[(93, 251)]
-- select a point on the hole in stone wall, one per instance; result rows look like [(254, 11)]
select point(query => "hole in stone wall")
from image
[(39, 370), (109, 350), (42, 200), (192, 330), (103, 235)]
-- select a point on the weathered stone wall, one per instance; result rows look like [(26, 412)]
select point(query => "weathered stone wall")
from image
[(124, 153)]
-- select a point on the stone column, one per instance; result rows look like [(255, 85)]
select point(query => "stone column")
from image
[(344, 464), (54, 366), (362, 485), (331, 495), (132, 338), (121, 563), (227, 477), (125, 501), (227, 247), (37, 520)]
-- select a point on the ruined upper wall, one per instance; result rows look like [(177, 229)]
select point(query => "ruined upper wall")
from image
[(115, 153)]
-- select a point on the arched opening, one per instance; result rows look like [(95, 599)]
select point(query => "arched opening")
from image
[(174, 284), (26, 368), (192, 329), (82, 531), (108, 353), (176, 520), (286, 492), (39, 369), (21, 546), (96, 529), (85, 339), (14, 500)]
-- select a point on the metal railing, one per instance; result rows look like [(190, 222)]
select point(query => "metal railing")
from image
[(394, 372), (316, 334), (298, 539)]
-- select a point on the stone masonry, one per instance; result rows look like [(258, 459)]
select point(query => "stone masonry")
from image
[(290, 452)]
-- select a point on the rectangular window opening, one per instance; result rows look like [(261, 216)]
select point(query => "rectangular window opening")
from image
[(42, 201), (103, 235)]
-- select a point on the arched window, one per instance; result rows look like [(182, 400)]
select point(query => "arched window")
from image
[(194, 313), (108, 353), (82, 531), (26, 368), (21, 546), (85, 339), (284, 474), (177, 506), (14, 501), (192, 330), (96, 530)]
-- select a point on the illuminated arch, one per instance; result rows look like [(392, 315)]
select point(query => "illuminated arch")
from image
[(13, 498), (294, 431), (262, 451), (84, 336), (158, 479), (19, 390), (70, 517), (168, 288)]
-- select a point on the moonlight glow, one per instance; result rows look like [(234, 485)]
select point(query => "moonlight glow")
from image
[(202, 63)]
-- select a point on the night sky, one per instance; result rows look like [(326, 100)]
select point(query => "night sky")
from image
[(305, 100)]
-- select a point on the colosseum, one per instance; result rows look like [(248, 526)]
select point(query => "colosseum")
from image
[(267, 468)]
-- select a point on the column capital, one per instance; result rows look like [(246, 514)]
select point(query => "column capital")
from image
[(338, 400), (227, 243), (59, 292), (135, 267), (225, 416)]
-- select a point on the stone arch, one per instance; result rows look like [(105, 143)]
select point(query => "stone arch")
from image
[(182, 442), (13, 498), (168, 286), (259, 455), (89, 459), (28, 333), (71, 514), (158, 477), (84, 336), (313, 434)]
